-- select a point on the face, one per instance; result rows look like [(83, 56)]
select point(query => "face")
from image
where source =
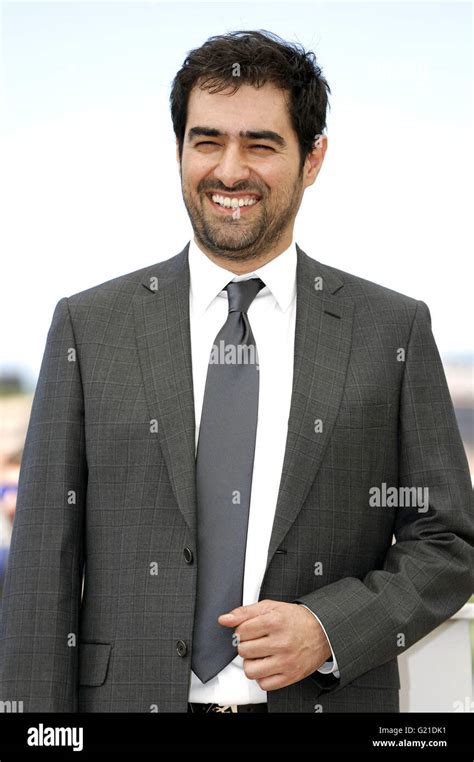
[(242, 147)]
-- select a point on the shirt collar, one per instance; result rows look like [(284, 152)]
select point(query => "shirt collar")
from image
[(207, 280)]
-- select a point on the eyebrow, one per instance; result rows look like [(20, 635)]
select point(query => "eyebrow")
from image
[(210, 132)]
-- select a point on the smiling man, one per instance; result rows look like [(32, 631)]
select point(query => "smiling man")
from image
[(218, 504)]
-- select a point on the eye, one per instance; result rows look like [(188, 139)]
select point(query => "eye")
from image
[(211, 143)]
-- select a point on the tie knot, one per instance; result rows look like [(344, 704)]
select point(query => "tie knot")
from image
[(242, 293)]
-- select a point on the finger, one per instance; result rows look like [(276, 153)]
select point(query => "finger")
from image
[(234, 617), (256, 669), (275, 682), (256, 649), (257, 627)]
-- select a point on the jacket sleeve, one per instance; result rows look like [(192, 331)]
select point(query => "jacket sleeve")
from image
[(428, 572), (41, 599)]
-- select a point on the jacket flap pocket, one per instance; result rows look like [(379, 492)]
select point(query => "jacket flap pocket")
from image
[(384, 676), (93, 662)]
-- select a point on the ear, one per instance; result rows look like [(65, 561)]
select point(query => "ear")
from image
[(314, 160), (177, 151)]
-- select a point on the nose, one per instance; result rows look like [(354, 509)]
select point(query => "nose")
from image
[(231, 168)]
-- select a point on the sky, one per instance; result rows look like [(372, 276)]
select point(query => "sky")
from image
[(89, 183)]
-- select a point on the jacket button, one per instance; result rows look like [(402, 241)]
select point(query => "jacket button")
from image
[(188, 555), (181, 648)]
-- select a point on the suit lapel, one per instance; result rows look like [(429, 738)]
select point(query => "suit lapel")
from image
[(164, 349), (323, 334)]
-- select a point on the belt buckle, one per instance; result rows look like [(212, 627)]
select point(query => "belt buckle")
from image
[(224, 708)]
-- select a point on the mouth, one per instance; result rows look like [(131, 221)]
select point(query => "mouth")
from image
[(242, 202)]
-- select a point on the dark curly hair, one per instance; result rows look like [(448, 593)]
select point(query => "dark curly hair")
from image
[(262, 57)]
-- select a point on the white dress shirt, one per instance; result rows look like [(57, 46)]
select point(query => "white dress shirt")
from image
[(272, 317)]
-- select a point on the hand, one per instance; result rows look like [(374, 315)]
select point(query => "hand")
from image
[(280, 643)]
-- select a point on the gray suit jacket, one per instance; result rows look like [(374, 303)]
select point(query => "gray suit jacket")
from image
[(107, 493)]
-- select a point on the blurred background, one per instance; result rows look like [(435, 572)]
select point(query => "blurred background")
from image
[(90, 186)]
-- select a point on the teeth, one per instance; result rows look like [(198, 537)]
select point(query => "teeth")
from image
[(233, 203)]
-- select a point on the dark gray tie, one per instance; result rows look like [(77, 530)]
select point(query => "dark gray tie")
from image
[(224, 467)]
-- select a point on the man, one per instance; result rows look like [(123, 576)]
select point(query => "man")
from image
[(250, 457)]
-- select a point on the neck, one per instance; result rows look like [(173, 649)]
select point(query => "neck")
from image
[(242, 267)]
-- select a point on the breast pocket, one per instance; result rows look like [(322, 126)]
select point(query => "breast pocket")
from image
[(376, 415)]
